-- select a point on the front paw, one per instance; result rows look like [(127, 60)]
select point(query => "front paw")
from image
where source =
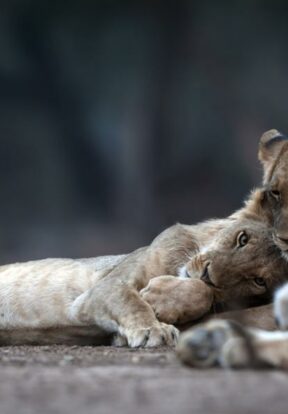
[(159, 294), (281, 307), (218, 342), (177, 301), (149, 337)]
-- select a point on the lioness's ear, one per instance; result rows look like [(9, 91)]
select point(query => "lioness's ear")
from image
[(270, 146)]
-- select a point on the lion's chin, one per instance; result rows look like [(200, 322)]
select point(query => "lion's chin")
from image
[(284, 254)]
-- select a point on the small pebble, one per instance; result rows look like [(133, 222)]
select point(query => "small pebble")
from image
[(135, 359)]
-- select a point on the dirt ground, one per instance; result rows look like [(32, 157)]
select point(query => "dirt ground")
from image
[(104, 380)]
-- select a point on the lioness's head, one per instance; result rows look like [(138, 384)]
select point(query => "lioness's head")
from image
[(242, 262), (273, 154)]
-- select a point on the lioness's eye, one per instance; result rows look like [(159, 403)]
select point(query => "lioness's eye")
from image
[(242, 239), (259, 281), (275, 194)]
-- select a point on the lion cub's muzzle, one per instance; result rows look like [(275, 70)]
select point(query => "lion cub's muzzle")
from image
[(205, 277)]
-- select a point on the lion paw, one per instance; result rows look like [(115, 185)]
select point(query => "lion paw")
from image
[(177, 301), (216, 343), (157, 335), (119, 341)]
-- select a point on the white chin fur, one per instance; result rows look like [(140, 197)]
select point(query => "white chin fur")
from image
[(281, 306), (182, 273)]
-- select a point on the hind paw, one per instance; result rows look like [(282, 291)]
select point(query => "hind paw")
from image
[(215, 343)]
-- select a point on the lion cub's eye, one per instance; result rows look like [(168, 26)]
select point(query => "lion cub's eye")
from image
[(275, 194), (260, 281), (242, 239)]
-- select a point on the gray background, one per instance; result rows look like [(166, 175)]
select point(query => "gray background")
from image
[(119, 118)]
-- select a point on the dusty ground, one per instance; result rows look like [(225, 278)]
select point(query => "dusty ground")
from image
[(58, 379)]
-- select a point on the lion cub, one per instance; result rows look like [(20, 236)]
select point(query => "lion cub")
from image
[(220, 259)]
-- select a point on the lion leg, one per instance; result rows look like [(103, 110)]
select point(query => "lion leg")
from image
[(119, 309), (229, 345), (260, 317)]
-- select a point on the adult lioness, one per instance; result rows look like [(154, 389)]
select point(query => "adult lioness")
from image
[(273, 153), (236, 257)]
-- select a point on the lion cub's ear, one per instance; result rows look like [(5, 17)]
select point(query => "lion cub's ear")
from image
[(270, 146)]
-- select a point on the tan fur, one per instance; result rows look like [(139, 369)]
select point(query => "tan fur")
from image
[(104, 292), (223, 343), (261, 317), (273, 153), (61, 293), (229, 345), (176, 247), (178, 301)]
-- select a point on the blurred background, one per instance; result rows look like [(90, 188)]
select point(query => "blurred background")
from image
[(121, 118)]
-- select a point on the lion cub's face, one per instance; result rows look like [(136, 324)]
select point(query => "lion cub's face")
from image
[(242, 261), (273, 153)]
